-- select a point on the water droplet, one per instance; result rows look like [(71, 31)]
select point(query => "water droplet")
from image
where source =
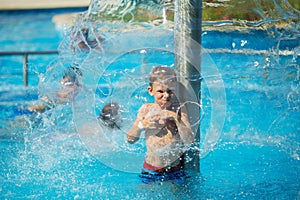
[(233, 45)]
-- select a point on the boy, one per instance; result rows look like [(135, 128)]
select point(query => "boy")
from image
[(85, 39), (109, 115), (166, 128), (67, 93)]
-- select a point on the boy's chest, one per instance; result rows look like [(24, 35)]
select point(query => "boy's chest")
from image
[(161, 139)]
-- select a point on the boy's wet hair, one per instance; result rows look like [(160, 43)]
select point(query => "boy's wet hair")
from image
[(109, 114), (75, 68), (162, 74), (71, 74)]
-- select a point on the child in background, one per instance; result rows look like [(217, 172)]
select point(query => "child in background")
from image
[(166, 128), (85, 39), (109, 115), (70, 89)]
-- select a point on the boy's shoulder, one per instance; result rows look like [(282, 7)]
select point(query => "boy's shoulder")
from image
[(147, 106), (172, 107)]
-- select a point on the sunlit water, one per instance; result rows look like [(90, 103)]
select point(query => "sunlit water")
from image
[(256, 156)]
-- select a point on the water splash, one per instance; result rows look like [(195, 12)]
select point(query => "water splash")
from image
[(262, 111)]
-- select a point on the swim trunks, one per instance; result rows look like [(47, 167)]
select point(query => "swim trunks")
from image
[(155, 174)]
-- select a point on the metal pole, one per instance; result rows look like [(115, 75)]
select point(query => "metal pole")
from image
[(187, 37), (25, 69)]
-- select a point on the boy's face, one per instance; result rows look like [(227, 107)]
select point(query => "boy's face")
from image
[(67, 83), (163, 93)]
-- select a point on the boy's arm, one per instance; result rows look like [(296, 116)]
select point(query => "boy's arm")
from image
[(134, 133), (37, 108), (43, 104), (184, 129), (183, 125)]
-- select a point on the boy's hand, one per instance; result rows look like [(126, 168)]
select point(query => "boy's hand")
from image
[(157, 118), (167, 115), (152, 118), (46, 99)]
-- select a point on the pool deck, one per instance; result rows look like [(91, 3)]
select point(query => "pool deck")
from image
[(41, 4)]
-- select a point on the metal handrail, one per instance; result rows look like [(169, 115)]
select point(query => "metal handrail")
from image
[(25, 55)]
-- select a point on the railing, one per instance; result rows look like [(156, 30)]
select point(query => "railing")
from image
[(25, 55)]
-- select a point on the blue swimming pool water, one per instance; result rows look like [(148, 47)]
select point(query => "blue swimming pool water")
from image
[(256, 156), (31, 30)]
